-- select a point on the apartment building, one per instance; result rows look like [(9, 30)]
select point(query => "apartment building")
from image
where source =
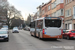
[(69, 7), (58, 8), (39, 10), (46, 9), (54, 8)]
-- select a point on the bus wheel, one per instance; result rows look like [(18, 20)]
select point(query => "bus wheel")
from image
[(40, 37), (34, 35), (55, 39)]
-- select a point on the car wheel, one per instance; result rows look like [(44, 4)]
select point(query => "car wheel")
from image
[(68, 37), (7, 40)]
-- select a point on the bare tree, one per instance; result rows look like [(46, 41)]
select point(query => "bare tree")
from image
[(12, 12), (28, 20)]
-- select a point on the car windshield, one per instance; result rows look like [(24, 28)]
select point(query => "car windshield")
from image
[(52, 23), (73, 31), (64, 31), (3, 32)]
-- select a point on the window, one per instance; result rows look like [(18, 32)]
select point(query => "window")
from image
[(48, 15), (53, 5), (52, 23), (70, 0), (43, 12), (66, 1), (39, 24), (32, 25), (73, 31), (66, 31), (48, 7), (61, 12), (68, 13), (74, 12)]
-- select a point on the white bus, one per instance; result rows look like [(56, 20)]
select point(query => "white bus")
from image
[(47, 27)]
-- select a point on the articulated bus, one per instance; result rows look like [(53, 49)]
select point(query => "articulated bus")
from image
[(47, 27)]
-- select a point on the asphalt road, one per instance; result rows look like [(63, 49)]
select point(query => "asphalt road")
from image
[(23, 41)]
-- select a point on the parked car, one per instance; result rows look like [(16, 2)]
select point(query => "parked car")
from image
[(69, 34), (20, 28), (15, 30), (27, 28), (4, 35)]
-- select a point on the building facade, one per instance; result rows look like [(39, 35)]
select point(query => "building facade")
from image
[(69, 14), (54, 8), (58, 8), (39, 10), (46, 9)]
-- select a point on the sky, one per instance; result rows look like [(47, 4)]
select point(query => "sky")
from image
[(26, 6)]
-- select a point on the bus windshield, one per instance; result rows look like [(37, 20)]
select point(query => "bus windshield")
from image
[(52, 23)]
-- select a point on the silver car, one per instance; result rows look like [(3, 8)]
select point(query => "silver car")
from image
[(15, 30), (4, 35)]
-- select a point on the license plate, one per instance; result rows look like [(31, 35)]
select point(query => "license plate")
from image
[(1, 38)]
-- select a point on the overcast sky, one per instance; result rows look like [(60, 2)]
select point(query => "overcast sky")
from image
[(26, 6)]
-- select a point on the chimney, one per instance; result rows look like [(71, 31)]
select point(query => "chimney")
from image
[(42, 3)]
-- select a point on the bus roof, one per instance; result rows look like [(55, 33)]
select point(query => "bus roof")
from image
[(48, 18)]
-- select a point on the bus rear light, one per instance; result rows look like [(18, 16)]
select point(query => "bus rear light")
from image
[(61, 31), (43, 32)]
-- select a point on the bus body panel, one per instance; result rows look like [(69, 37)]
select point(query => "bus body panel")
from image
[(52, 31)]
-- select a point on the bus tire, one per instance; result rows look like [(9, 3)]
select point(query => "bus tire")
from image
[(34, 35), (40, 37), (55, 39)]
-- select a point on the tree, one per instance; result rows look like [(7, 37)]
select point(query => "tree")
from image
[(28, 20), (12, 12)]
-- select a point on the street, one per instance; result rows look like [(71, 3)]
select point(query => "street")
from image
[(24, 41)]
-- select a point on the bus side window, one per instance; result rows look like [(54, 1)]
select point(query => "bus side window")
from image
[(32, 25), (39, 24)]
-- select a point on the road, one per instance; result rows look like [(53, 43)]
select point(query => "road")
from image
[(23, 41)]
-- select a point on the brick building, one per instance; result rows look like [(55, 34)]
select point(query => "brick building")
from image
[(57, 8), (54, 8), (69, 14), (46, 9)]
